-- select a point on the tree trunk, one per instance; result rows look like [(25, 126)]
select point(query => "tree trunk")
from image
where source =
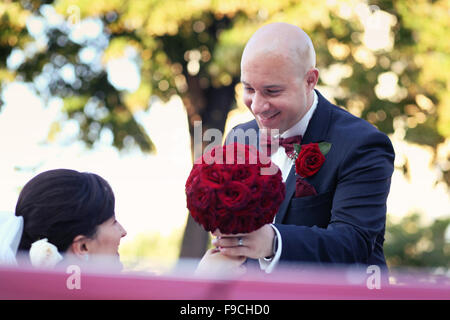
[(211, 106)]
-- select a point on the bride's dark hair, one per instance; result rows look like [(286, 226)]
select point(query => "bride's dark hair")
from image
[(61, 204)]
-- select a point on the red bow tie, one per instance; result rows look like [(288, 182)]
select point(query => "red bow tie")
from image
[(287, 143)]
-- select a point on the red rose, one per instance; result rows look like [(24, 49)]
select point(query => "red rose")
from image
[(202, 197), (234, 195), (229, 224), (245, 174), (193, 179), (250, 209), (257, 189), (309, 160), (208, 221), (219, 210), (214, 176), (273, 182), (267, 202)]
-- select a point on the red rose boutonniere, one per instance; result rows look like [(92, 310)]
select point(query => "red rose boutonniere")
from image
[(309, 158)]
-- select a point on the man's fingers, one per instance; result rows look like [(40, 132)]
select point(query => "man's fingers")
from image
[(217, 233), (212, 251), (234, 251), (230, 242)]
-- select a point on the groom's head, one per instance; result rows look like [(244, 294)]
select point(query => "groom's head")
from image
[(278, 73)]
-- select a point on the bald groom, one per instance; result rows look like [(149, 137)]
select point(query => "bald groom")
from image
[(344, 223)]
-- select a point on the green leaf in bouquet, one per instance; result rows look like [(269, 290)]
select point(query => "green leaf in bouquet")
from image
[(297, 148)]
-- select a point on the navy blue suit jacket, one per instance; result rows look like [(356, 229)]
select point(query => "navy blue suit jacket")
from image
[(345, 221)]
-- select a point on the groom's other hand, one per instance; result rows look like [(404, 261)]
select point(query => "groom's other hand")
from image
[(257, 244)]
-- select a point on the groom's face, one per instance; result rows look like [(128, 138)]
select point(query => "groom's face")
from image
[(275, 90)]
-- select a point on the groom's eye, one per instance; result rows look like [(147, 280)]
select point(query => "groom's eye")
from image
[(273, 91)]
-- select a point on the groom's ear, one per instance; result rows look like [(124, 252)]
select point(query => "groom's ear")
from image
[(312, 77), (79, 246)]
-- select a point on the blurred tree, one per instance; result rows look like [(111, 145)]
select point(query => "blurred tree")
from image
[(411, 244), (151, 252), (383, 61), (12, 34)]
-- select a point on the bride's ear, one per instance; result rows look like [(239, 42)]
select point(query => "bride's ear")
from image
[(79, 246)]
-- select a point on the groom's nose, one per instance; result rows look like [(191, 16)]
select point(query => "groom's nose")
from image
[(259, 104)]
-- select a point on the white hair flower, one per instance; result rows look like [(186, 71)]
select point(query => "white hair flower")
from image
[(43, 254)]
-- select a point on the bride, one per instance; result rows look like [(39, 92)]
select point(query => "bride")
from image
[(63, 212), (63, 215)]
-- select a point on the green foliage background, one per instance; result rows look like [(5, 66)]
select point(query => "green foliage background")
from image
[(413, 244)]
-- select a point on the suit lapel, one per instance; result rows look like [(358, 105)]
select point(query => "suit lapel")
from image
[(315, 132), (290, 189)]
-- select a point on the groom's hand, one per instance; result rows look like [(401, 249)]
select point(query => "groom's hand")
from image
[(255, 245)]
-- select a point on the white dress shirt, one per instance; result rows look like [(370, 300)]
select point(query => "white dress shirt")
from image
[(285, 164)]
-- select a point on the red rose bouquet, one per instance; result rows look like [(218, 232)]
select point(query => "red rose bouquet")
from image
[(228, 190)]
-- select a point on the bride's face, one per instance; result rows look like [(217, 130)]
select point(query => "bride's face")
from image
[(107, 239)]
